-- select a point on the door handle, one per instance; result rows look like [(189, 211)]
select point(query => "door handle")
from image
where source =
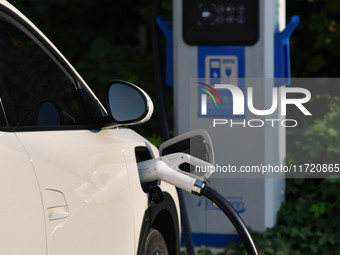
[(56, 204), (57, 212)]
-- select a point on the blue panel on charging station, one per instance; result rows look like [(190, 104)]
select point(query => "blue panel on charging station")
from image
[(219, 65)]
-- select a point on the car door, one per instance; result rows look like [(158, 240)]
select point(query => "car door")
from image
[(81, 171), (22, 224)]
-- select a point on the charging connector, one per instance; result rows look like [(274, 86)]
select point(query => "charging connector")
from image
[(167, 168)]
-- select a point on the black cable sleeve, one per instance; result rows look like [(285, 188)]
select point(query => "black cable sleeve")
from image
[(233, 216)]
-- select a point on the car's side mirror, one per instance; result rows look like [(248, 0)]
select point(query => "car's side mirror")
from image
[(127, 104)]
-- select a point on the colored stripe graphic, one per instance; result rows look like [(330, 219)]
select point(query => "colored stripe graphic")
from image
[(213, 90), (209, 94)]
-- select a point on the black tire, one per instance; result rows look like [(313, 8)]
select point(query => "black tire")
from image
[(155, 244)]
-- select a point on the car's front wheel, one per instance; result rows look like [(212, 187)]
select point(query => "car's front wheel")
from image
[(155, 244)]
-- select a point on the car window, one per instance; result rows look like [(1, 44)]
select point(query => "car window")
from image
[(35, 90), (3, 122)]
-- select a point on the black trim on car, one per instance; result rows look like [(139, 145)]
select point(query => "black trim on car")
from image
[(49, 128), (3, 119), (152, 219)]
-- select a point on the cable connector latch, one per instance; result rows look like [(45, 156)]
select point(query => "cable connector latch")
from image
[(197, 188)]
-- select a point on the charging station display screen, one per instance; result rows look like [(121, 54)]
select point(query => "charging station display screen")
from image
[(221, 22)]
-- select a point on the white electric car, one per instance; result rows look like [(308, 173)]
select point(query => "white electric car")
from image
[(69, 180)]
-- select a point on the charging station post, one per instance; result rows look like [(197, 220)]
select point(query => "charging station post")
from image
[(243, 43)]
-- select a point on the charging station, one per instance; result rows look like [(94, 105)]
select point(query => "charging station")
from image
[(244, 43)]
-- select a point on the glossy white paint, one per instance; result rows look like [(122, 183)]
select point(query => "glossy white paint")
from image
[(89, 170), (94, 177), (22, 224)]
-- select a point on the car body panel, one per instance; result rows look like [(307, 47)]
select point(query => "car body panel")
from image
[(21, 211), (89, 169)]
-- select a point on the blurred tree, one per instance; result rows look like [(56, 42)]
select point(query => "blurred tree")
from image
[(315, 44)]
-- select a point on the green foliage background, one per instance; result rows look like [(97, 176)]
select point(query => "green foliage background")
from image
[(107, 40), (315, 48)]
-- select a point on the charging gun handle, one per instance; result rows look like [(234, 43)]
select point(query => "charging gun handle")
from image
[(176, 159)]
